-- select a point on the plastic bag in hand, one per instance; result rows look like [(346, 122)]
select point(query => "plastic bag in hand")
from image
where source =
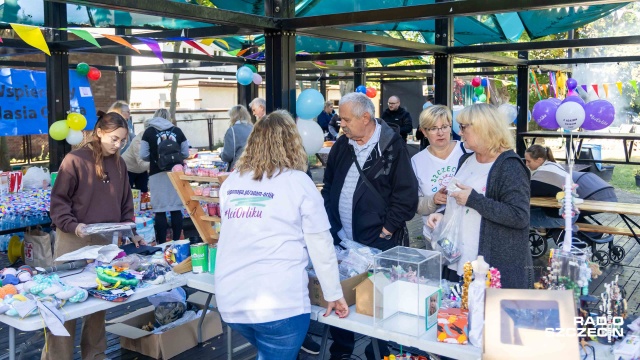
[(446, 235)]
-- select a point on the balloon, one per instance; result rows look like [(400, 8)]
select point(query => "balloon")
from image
[(257, 79), (598, 115), (94, 74), (572, 93), (572, 84), (509, 111), (253, 68), (309, 104), (544, 114), (479, 91), (75, 137), (82, 69), (556, 101), (76, 121), (244, 75), (312, 136), (483, 82), (575, 99), (570, 115), (475, 99), (482, 98), (361, 89), (476, 81), (454, 123), (371, 92), (59, 130)]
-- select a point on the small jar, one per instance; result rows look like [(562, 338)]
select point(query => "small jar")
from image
[(212, 209), (188, 170), (206, 191), (215, 191), (198, 190)]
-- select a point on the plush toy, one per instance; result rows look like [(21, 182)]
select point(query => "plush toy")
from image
[(117, 279)]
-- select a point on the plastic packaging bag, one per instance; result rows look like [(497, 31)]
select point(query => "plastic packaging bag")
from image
[(36, 178), (446, 236)]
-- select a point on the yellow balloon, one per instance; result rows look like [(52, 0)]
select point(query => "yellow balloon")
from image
[(76, 121), (59, 130)]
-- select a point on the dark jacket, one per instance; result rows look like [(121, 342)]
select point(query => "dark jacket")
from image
[(158, 130), (504, 228), (324, 119), (334, 127), (400, 118), (388, 168)]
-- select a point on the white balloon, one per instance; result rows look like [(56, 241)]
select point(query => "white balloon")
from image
[(257, 79), (509, 111), (312, 136), (75, 137), (570, 115)]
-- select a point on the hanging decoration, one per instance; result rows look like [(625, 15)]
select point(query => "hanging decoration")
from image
[(119, 40), (69, 129), (94, 74), (153, 46), (606, 90), (634, 84), (195, 45), (82, 69), (33, 36), (619, 86), (595, 88), (84, 35)]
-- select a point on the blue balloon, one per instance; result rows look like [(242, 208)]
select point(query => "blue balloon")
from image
[(309, 104), (362, 89), (483, 82), (244, 75), (475, 99)]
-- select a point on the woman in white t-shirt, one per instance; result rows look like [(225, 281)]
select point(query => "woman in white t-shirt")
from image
[(436, 165), (494, 190), (273, 221)]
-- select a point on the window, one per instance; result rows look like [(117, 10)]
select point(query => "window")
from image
[(167, 104), (135, 105)]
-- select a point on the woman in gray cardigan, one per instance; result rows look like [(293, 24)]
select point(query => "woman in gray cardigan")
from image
[(495, 191), (235, 139)]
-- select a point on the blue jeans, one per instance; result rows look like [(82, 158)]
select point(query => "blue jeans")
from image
[(276, 340), (539, 219)]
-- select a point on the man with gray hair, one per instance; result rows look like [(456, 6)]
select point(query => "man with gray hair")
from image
[(258, 107), (369, 192)]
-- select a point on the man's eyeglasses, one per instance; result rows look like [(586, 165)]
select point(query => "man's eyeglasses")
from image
[(434, 130), (463, 127)]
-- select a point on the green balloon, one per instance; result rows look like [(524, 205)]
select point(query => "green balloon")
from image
[(82, 69), (482, 98), (253, 68), (479, 90), (59, 130)]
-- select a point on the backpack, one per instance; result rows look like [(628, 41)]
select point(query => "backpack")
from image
[(169, 153)]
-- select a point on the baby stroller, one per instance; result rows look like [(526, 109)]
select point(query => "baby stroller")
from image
[(590, 187)]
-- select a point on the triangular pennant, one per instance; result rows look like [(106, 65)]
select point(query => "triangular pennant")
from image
[(84, 35), (584, 87), (207, 42), (619, 85), (179, 38), (32, 36), (234, 52), (195, 45), (634, 84), (242, 52), (223, 42), (595, 88), (606, 90), (153, 45), (121, 41)]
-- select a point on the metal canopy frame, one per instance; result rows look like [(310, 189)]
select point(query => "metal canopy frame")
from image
[(281, 27)]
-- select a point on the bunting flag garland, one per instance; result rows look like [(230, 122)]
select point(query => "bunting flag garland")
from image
[(195, 45), (121, 41), (153, 45), (208, 42), (595, 88), (634, 84), (619, 85), (535, 81), (32, 36), (584, 87), (606, 90), (84, 35)]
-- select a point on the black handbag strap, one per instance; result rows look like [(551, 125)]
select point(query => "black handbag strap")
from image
[(364, 177)]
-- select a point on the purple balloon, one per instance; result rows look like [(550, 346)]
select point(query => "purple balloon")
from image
[(544, 113), (556, 101), (572, 84), (574, 98), (599, 115)]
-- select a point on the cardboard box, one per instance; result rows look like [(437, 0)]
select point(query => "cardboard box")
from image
[(628, 348), (453, 326), (348, 286), (365, 293), (166, 345)]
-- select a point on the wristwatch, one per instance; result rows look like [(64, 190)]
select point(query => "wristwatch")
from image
[(385, 236)]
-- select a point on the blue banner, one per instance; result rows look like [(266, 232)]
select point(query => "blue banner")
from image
[(23, 101)]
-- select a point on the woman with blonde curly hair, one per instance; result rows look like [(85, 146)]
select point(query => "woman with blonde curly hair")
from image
[(272, 225), (494, 189)]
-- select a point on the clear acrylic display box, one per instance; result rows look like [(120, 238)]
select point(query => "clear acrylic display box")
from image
[(403, 279)]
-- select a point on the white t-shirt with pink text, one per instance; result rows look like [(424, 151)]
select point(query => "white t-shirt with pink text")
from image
[(260, 271)]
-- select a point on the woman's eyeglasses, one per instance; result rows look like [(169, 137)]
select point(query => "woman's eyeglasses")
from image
[(115, 140), (434, 130)]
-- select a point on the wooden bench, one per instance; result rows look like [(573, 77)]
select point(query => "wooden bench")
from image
[(604, 229)]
